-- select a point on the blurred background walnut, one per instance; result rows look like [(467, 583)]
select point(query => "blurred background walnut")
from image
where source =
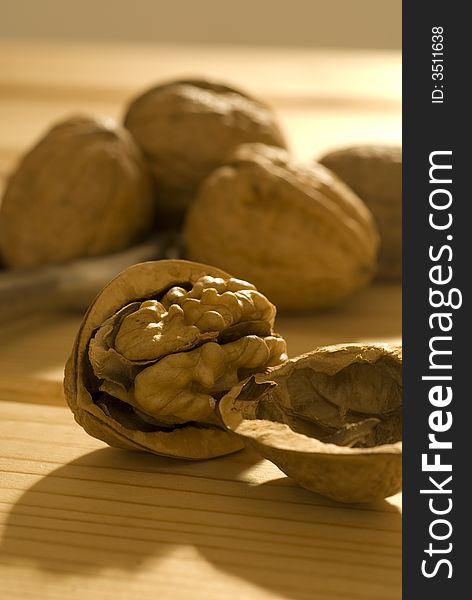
[(187, 129), (83, 190), (374, 172), (296, 231)]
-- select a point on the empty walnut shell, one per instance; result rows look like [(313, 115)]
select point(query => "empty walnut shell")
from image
[(187, 128), (374, 172), (158, 348), (83, 190), (303, 237), (330, 419)]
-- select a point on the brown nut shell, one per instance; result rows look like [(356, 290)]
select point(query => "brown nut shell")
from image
[(82, 190), (187, 128), (102, 373), (306, 414), (296, 231), (374, 172)]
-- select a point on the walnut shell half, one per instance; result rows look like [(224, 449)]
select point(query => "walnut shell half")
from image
[(83, 190), (158, 348), (330, 419), (187, 128), (296, 231)]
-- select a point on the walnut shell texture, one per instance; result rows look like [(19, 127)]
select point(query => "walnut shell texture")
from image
[(296, 231), (187, 128), (83, 190), (374, 172), (330, 419), (157, 349)]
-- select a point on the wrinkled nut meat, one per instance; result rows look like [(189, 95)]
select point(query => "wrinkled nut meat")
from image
[(330, 419), (303, 237), (188, 128), (156, 351), (83, 190), (374, 172)]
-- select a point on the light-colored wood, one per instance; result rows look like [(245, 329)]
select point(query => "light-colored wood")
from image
[(34, 350), (83, 520), (324, 98), (80, 520), (101, 69)]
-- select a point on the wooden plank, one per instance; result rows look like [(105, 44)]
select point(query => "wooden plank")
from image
[(79, 519), (34, 350), (324, 98), (90, 518), (51, 68)]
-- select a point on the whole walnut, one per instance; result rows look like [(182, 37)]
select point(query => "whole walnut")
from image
[(187, 128), (159, 347), (83, 190), (374, 172), (296, 231)]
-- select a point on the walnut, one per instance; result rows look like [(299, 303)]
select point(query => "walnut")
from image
[(303, 237), (374, 172), (83, 190), (158, 348), (187, 128), (330, 419)]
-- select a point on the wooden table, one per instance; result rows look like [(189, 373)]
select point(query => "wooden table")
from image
[(81, 520)]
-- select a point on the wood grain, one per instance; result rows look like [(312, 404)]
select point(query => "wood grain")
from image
[(81, 517), (35, 349), (323, 98), (81, 520)]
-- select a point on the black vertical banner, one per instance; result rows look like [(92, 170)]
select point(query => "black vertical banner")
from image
[(437, 241)]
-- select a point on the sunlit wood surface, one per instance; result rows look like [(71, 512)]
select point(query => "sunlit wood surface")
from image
[(81, 520)]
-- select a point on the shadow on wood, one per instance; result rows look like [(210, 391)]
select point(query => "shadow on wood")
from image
[(115, 513)]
